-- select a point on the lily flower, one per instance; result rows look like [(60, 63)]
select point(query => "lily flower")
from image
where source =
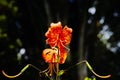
[(57, 38)]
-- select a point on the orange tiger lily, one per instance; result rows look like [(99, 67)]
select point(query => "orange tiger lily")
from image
[(58, 37)]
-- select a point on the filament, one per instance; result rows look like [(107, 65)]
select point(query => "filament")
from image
[(51, 66), (49, 70), (54, 68), (46, 70)]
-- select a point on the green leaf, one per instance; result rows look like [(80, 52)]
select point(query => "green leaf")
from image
[(61, 72), (15, 9), (5, 35), (86, 78), (2, 17), (24, 68), (4, 2), (19, 42), (10, 5), (11, 46)]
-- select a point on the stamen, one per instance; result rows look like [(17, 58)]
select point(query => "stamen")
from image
[(54, 66), (51, 65), (49, 70), (46, 70)]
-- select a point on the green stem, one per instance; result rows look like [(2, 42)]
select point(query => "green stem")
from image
[(90, 68), (34, 67), (75, 65), (13, 76), (57, 66)]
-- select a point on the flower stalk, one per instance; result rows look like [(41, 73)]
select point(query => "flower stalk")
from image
[(57, 67)]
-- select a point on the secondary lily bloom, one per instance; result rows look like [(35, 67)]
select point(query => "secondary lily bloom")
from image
[(58, 37), (50, 55)]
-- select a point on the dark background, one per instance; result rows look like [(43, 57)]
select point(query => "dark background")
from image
[(96, 36)]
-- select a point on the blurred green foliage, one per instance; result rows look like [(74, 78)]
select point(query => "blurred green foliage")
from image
[(87, 78), (8, 15), (8, 11), (9, 5)]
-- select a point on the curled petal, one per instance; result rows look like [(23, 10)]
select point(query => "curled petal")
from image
[(62, 56), (50, 55), (66, 35), (52, 42), (54, 29), (53, 34)]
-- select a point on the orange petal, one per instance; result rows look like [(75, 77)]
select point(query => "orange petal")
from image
[(53, 34), (62, 55), (49, 55), (66, 35)]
